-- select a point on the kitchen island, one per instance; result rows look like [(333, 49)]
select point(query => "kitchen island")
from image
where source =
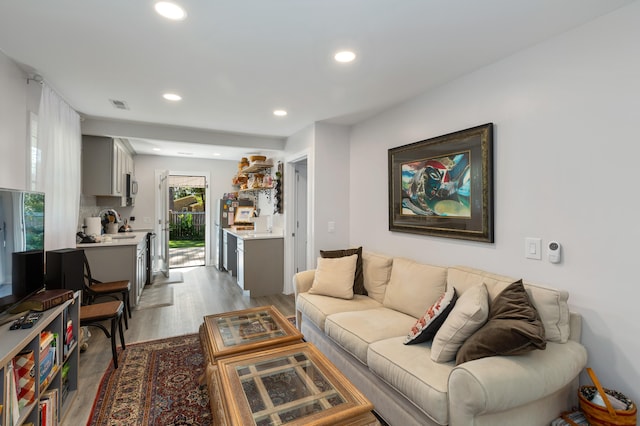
[(259, 260), (120, 256)]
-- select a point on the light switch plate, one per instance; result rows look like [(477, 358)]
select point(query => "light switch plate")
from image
[(532, 248)]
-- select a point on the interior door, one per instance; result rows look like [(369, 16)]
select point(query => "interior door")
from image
[(162, 226)]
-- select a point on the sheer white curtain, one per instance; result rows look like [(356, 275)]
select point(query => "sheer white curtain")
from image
[(59, 175)]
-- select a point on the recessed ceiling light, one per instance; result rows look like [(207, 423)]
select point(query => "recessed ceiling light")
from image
[(157, 149), (170, 10), (172, 97), (345, 56), (216, 154), (280, 112)]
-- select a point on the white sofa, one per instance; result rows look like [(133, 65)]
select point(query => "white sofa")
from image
[(364, 338)]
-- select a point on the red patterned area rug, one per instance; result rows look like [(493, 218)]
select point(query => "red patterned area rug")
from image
[(156, 383)]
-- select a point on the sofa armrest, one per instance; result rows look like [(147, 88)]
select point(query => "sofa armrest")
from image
[(302, 281), (500, 383)]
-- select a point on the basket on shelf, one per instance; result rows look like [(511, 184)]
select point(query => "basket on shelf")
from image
[(598, 415)]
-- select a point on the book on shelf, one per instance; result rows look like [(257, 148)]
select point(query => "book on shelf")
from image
[(48, 356), (46, 337), (14, 408), (64, 381), (24, 368), (69, 340), (44, 300), (49, 400)]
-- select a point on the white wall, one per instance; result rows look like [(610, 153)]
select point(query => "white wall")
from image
[(566, 120), (13, 125), (331, 189), (220, 172), (327, 149)]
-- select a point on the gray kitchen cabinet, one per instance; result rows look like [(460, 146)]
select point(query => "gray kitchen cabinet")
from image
[(141, 268), (105, 163), (124, 258), (260, 264), (229, 255)]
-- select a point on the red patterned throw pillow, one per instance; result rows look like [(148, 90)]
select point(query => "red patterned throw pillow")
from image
[(426, 327)]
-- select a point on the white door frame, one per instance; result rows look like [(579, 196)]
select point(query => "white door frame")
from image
[(289, 203), (161, 223)]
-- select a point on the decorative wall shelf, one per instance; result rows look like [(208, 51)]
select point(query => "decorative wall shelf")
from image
[(257, 167)]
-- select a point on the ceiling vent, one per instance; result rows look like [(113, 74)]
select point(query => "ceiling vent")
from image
[(119, 104)]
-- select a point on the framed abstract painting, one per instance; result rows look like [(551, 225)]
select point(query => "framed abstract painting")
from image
[(443, 186)]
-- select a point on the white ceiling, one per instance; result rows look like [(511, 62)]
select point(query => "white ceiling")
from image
[(235, 61)]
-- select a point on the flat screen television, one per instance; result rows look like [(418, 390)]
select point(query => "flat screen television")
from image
[(21, 243)]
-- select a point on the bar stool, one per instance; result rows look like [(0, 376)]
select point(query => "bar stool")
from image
[(94, 289), (93, 315)]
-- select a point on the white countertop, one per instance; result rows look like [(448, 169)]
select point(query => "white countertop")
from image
[(252, 235), (120, 239)]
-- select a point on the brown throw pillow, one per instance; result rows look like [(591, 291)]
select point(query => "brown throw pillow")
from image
[(358, 281), (513, 328)]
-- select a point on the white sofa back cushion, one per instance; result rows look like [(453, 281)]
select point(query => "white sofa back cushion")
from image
[(413, 286), (551, 304), (376, 269)]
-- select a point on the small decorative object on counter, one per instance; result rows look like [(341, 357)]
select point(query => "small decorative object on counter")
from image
[(110, 220)]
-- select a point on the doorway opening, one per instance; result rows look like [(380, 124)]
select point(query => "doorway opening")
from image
[(187, 220), (301, 243)]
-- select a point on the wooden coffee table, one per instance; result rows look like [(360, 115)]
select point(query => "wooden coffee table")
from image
[(244, 331), (294, 384)]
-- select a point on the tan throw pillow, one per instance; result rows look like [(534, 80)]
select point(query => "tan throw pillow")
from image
[(514, 327), (414, 286), (358, 281), (376, 269), (334, 277), (467, 316)]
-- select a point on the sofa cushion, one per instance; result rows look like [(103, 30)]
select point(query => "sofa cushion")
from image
[(430, 322), (317, 307), (334, 277), (551, 304), (358, 281), (513, 328), (355, 331), (376, 270), (414, 286), (467, 316), (410, 370)]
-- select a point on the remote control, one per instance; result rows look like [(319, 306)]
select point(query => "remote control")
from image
[(31, 319), (17, 323)]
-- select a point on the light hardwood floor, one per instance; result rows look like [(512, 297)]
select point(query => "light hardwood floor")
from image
[(204, 291)]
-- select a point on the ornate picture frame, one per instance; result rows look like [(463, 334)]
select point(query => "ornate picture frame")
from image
[(443, 186)]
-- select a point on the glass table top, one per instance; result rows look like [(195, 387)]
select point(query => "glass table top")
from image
[(248, 328), (294, 384), (286, 388)]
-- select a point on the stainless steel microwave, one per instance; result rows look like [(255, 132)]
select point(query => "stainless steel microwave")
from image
[(132, 187)]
